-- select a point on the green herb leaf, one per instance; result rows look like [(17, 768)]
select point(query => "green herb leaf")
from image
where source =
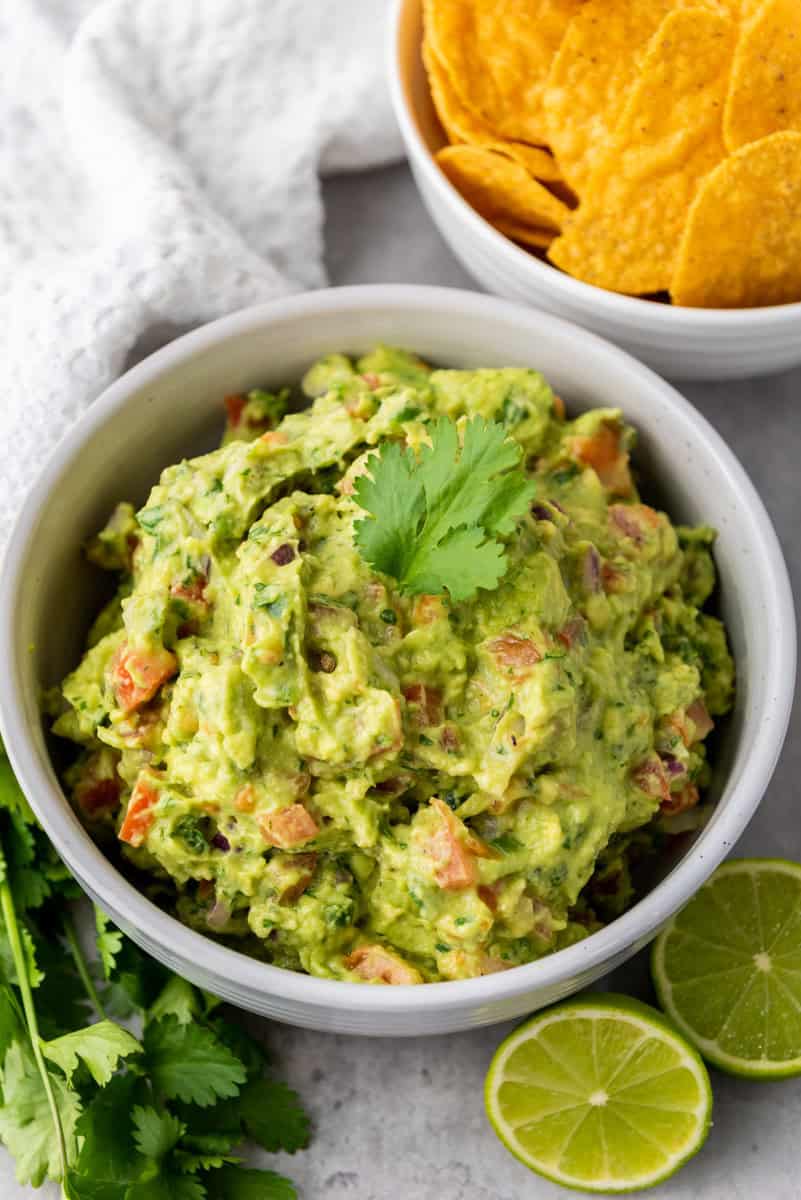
[(156, 1133), (108, 1160), (187, 1062), (432, 519), (101, 1047), (178, 999), (239, 1183), (171, 1186), (109, 941), (26, 1120), (273, 1116)]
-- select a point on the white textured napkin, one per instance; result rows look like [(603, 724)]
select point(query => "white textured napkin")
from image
[(160, 162)]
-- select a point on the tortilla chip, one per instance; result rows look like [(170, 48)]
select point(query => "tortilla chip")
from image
[(497, 56), (591, 78), (625, 234), (537, 239), (765, 92), (742, 244), (462, 126), (499, 188)]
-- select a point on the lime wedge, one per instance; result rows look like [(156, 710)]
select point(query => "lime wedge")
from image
[(727, 968), (599, 1094)]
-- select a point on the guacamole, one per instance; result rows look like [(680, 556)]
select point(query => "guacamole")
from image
[(342, 779)]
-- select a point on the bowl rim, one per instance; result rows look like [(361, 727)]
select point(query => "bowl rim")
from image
[(648, 314), (101, 877)]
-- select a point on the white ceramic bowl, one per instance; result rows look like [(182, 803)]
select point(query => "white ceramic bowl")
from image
[(169, 407), (682, 343)]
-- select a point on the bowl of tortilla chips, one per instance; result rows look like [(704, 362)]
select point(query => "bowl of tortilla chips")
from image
[(634, 165)]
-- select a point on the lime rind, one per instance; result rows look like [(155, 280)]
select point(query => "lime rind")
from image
[(652, 1025), (743, 955)]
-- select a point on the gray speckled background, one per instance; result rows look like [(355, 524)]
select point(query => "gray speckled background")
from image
[(404, 1120)]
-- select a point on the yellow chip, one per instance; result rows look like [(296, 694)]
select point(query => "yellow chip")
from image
[(499, 188), (626, 232), (537, 239), (462, 126), (591, 77), (765, 92), (497, 56), (742, 244)]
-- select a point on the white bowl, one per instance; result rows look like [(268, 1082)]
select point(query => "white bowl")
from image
[(682, 343), (169, 407)]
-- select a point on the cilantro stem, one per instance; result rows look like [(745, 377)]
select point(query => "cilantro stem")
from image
[(29, 1008), (81, 965)]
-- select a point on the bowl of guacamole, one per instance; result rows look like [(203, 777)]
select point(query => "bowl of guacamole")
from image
[(410, 677)]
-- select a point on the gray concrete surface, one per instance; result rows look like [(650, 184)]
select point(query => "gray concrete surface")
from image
[(404, 1120)]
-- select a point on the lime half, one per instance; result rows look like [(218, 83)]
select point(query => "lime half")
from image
[(599, 1094), (727, 969)]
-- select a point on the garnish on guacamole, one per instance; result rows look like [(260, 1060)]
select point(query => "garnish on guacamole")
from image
[(433, 767)]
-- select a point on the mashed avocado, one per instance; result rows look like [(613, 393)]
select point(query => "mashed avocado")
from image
[(366, 785)]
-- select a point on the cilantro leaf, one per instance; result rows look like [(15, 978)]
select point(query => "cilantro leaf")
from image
[(108, 1160), (100, 1047), (179, 999), (187, 1062), (170, 1186), (431, 520), (251, 1054), (156, 1133), (10, 1020), (26, 1120), (109, 942), (240, 1183), (12, 797), (273, 1117)]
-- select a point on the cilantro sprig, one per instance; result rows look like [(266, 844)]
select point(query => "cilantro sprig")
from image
[(433, 519), (84, 1102)]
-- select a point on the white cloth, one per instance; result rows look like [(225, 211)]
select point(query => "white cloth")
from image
[(160, 162)]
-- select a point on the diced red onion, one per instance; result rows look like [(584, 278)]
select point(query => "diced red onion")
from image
[(218, 915), (673, 766), (220, 842), (591, 570)]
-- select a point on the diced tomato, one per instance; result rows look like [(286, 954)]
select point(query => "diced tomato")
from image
[(245, 799), (428, 609), (99, 795), (572, 633), (602, 451), (138, 674), (288, 827), (516, 653), (425, 703), (274, 438), (454, 850), (372, 380), (359, 406), (305, 865), (678, 802), (193, 591), (381, 965), (449, 738), (702, 722), (636, 521), (650, 777), (140, 815), (491, 965), (234, 406), (612, 579)]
